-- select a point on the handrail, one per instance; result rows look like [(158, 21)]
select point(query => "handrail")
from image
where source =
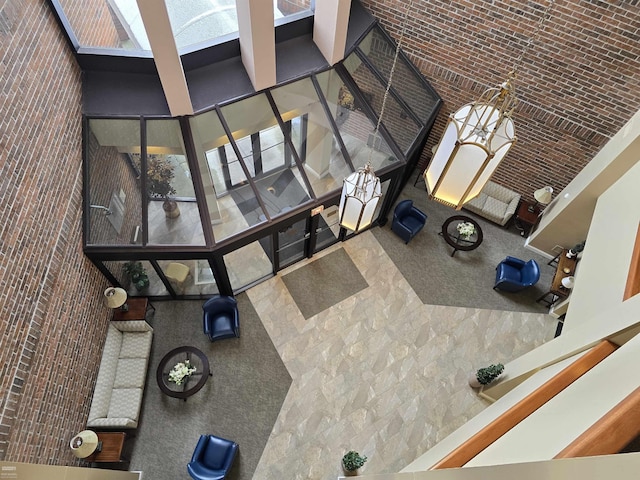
[(514, 415)]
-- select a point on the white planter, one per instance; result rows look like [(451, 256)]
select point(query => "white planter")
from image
[(473, 380)]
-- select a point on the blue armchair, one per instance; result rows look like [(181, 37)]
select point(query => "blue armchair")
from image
[(407, 220), (220, 318), (513, 274), (212, 458)]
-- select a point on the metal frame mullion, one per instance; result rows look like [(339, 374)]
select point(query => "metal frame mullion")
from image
[(167, 284), (196, 178), (143, 181), (247, 174), (384, 81), (287, 139), (224, 163), (332, 122), (256, 153)]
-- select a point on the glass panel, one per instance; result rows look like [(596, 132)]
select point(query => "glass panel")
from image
[(328, 228), (405, 80), (138, 278), (201, 21), (249, 263), (108, 24), (289, 7), (268, 160), (292, 240), (173, 212), (312, 135), (190, 277), (356, 129), (401, 127), (114, 193)]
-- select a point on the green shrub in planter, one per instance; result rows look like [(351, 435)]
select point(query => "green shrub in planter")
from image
[(488, 374), (137, 275), (352, 461)]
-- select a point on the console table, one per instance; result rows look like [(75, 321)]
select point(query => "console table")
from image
[(566, 267)]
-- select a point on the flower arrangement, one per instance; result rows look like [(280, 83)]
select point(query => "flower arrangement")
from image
[(180, 371), (345, 99), (466, 229), (159, 176)]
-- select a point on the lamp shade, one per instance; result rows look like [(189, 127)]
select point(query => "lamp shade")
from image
[(543, 195), (476, 139), (84, 443), (114, 297), (360, 195), (568, 282)]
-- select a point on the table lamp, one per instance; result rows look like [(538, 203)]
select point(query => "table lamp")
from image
[(115, 297), (85, 443), (568, 282), (542, 196)]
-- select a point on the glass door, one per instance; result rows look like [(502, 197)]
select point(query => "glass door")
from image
[(328, 229), (293, 242)]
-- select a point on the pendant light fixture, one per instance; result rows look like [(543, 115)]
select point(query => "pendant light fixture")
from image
[(476, 139), (361, 190)]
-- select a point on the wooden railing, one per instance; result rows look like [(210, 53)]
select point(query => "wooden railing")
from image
[(521, 410)]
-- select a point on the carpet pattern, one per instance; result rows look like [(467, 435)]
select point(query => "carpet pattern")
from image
[(467, 279), (324, 282), (241, 401)]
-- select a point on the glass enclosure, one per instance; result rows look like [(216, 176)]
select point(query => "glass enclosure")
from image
[(217, 201)]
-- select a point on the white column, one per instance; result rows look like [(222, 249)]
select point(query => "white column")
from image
[(257, 41), (165, 54), (330, 23)]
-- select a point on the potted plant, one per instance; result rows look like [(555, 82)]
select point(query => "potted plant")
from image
[(351, 462), (159, 176), (486, 375), (137, 275), (574, 251)]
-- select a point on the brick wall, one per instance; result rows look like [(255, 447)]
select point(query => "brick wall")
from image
[(94, 23), (52, 319), (578, 84), (287, 7)]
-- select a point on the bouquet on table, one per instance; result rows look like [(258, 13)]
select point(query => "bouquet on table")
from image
[(180, 371), (466, 229)]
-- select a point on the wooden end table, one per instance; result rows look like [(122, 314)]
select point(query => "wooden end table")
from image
[(138, 307), (526, 217), (112, 443)]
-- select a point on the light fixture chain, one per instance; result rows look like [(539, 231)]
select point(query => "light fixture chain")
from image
[(391, 72), (534, 36)]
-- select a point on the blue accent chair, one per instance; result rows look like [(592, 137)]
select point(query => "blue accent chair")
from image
[(407, 220), (513, 274), (220, 318), (212, 458)]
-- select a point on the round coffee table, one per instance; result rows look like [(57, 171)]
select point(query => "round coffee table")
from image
[(457, 241), (190, 384)]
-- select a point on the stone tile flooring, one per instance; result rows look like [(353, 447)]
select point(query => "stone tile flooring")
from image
[(380, 372)]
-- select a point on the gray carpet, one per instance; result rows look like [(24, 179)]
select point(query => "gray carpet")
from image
[(324, 283), (467, 279), (241, 401)]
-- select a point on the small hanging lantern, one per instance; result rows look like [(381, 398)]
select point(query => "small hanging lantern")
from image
[(476, 139), (360, 195)]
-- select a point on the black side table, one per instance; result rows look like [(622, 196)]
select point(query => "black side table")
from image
[(457, 241)]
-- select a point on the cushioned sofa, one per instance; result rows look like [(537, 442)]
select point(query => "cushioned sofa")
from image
[(123, 369), (495, 203)]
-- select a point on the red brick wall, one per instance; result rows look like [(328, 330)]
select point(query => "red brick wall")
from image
[(287, 7), (52, 319), (578, 84), (93, 23)]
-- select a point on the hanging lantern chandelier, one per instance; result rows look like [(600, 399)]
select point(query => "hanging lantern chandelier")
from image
[(476, 139), (361, 190)]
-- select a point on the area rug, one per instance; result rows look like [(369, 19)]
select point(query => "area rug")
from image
[(324, 283), (241, 401), (466, 279)]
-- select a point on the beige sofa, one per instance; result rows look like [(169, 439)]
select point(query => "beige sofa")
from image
[(495, 203), (117, 397)]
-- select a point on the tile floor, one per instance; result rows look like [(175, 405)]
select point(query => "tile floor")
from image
[(380, 372)]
